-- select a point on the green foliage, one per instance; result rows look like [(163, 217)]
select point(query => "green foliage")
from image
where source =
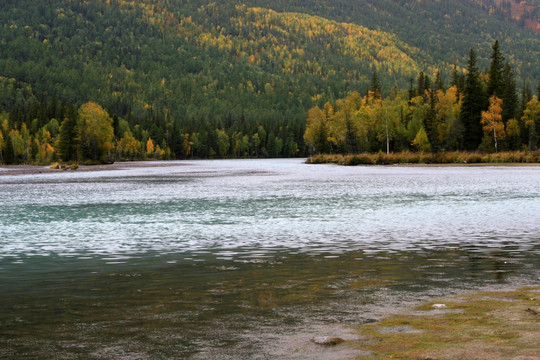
[(176, 72), (433, 120), (94, 133), (495, 81), (531, 120), (474, 101), (67, 145), (421, 140)]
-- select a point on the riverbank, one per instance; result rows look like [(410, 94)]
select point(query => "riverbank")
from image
[(490, 325), (447, 158), (11, 170)]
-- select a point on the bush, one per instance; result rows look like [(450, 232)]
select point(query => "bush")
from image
[(407, 157)]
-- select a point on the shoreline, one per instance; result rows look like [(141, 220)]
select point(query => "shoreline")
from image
[(406, 158), (493, 324), (17, 170)]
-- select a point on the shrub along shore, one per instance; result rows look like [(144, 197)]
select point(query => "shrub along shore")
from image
[(406, 157)]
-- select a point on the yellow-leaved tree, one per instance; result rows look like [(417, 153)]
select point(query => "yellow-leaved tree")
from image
[(531, 119), (95, 133), (316, 134), (421, 140), (150, 148), (492, 119)]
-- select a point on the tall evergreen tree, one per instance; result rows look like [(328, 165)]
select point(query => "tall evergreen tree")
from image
[(8, 153), (509, 94), (427, 84), (455, 77), (67, 144), (421, 84), (458, 80), (439, 85), (526, 96), (375, 85), (412, 91), (474, 102), (495, 84)]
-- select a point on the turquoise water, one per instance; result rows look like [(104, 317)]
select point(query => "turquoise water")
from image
[(247, 258)]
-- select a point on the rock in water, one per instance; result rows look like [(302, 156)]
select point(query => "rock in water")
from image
[(327, 341), (438, 306)]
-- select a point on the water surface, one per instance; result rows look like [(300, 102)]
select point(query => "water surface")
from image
[(247, 258)]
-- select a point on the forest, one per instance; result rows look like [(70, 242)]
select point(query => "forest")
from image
[(199, 79), (478, 112)]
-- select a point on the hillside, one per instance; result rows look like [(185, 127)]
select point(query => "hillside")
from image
[(179, 67), (135, 54), (525, 13), (191, 61)]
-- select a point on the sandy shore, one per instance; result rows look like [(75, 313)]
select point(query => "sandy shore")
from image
[(16, 170)]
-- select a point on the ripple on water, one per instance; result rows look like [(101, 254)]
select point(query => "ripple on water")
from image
[(239, 258)]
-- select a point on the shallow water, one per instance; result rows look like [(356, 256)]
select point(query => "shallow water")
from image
[(247, 258)]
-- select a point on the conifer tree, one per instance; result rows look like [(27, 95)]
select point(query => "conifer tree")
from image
[(439, 85), (509, 94), (412, 91), (375, 86), (526, 96), (8, 153), (474, 102), (455, 76), (495, 82), (67, 144), (427, 84), (421, 84)]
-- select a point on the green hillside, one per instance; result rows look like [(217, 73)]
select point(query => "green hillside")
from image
[(190, 62), (184, 67)]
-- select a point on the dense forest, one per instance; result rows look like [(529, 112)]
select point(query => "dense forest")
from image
[(182, 79), (478, 112)]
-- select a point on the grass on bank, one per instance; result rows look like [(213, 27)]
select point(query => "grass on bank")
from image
[(406, 157), (486, 325)]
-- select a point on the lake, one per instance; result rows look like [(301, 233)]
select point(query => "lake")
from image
[(238, 259)]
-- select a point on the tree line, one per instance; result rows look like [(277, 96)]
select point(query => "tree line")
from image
[(45, 132), (480, 111), (477, 111)]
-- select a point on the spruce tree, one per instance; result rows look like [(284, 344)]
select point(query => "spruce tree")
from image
[(526, 96), (67, 145), (427, 84), (421, 84), (455, 77), (495, 82), (439, 85), (509, 94), (474, 102), (412, 91), (9, 153), (375, 86)]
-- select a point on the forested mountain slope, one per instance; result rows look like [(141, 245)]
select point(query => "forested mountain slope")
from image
[(171, 67), (193, 61), (198, 57)]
